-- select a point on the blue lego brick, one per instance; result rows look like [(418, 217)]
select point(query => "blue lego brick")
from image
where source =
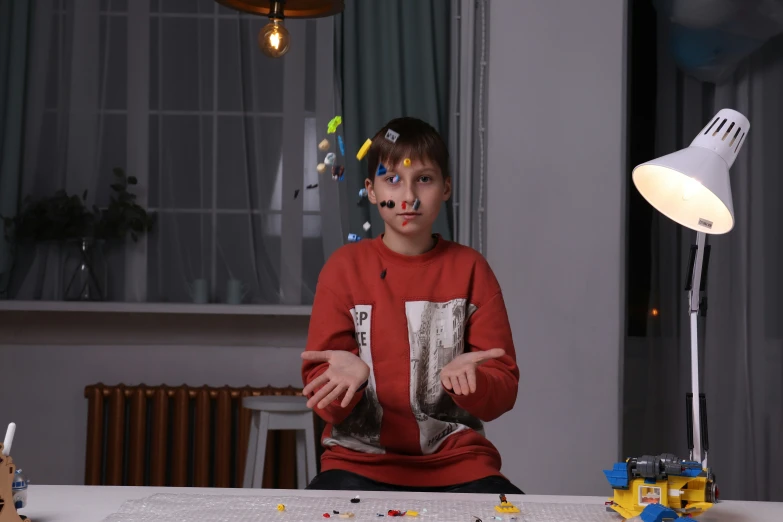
[(691, 472), (618, 475), (658, 513)]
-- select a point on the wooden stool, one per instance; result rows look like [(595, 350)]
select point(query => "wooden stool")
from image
[(279, 413)]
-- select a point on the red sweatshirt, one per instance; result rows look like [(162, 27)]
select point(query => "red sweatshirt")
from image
[(407, 317)]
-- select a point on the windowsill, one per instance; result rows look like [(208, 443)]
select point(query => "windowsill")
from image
[(155, 308)]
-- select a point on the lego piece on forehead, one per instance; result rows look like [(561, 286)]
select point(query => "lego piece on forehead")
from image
[(381, 170), (407, 162), (333, 124), (363, 151), (392, 136)]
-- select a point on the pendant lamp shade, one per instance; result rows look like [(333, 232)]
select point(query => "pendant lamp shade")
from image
[(692, 186), (291, 8)]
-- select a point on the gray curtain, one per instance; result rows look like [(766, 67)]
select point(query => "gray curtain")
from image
[(392, 59), (14, 27), (742, 334)]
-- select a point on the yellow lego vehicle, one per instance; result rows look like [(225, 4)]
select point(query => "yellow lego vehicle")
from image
[(663, 480)]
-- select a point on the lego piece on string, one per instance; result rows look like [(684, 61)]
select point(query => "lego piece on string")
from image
[(314, 185), (324, 145), (333, 124), (321, 168), (338, 172), (366, 227), (363, 151), (296, 193), (381, 170), (392, 136), (353, 238), (341, 144), (329, 159)]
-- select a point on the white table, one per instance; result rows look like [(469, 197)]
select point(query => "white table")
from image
[(94, 503)]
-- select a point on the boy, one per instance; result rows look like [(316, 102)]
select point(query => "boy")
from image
[(409, 347)]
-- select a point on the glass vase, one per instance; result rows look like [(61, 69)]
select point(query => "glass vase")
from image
[(84, 270)]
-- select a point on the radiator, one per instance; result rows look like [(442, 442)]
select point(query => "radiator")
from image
[(179, 436)]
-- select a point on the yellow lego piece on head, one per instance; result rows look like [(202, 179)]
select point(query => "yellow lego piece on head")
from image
[(407, 162), (507, 507), (363, 151)]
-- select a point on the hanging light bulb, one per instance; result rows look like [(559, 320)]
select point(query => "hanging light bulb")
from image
[(274, 38)]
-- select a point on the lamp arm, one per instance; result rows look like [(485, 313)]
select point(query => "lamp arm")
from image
[(697, 435)]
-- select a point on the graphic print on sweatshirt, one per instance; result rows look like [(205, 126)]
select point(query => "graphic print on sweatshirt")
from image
[(361, 430), (436, 332)]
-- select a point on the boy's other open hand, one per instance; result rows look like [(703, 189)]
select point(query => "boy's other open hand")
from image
[(346, 373), (459, 375)]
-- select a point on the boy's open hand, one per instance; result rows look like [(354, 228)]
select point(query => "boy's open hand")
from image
[(346, 373), (459, 375)]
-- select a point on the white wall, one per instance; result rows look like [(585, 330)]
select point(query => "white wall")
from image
[(556, 211), (46, 360)]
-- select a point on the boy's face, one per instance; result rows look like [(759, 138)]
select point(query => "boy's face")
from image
[(403, 185)]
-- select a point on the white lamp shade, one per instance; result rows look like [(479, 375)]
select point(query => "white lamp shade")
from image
[(692, 186)]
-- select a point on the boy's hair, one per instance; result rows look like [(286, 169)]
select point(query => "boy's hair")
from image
[(417, 140)]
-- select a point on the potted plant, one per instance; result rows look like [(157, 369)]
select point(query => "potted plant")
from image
[(83, 232)]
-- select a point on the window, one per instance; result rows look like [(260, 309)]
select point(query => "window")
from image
[(222, 139)]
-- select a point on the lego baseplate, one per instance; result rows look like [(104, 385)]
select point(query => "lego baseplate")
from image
[(233, 508)]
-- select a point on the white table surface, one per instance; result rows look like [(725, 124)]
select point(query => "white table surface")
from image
[(94, 503)]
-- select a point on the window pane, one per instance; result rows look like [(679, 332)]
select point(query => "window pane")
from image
[(249, 255), (249, 162), (113, 142), (113, 63), (185, 48), (180, 162), (179, 253), (312, 256)]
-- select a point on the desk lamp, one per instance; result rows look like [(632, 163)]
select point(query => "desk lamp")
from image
[(692, 188)]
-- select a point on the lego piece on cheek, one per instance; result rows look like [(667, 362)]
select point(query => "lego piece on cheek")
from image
[(404, 223), (416, 204), (383, 203), (403, 205), (390, 204)]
